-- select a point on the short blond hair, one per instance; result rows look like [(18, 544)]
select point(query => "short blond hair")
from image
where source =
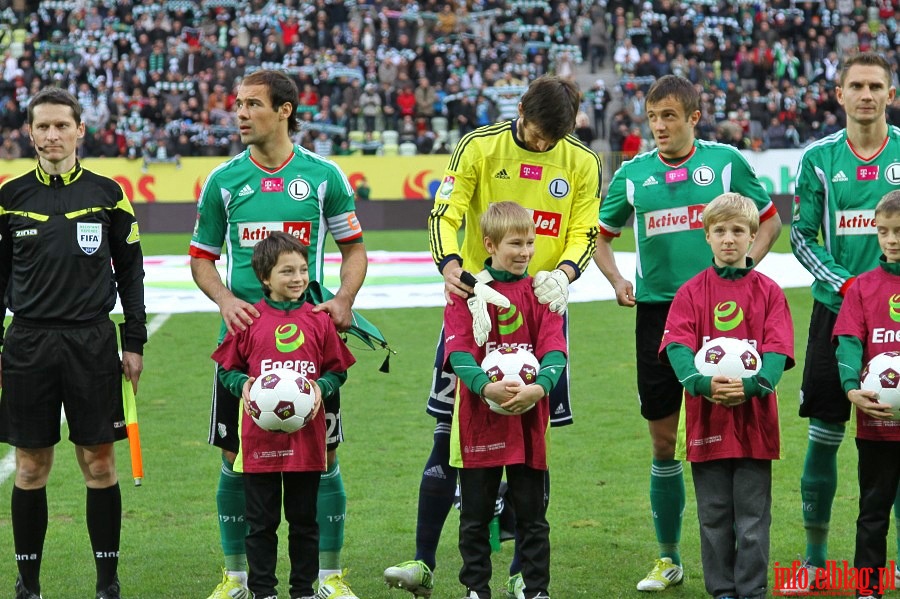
[(889, 204), (504, 218), (731, 206)]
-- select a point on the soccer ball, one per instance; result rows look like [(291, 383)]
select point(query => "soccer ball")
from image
[(726, 356), (281, 400), (510, 363), (882, 375)]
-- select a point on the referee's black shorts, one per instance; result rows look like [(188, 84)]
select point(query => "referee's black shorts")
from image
[(47, 367), (659, 391), (226, 410), (821, 393)]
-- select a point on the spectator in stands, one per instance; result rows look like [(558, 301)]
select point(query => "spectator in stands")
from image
[(407, 129), (406, 102), (323, 144), (370, 107), (10, 149), (426, 96), (599, 42), (631, 144), (775, 135), (583, 129), (599, 99), (626, 57)]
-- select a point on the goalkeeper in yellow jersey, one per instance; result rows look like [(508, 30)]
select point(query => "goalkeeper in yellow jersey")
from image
[(537, 162)]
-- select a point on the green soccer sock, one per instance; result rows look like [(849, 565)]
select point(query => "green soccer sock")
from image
[(667, 499), (818, 485), (232, 526), (331, 510)]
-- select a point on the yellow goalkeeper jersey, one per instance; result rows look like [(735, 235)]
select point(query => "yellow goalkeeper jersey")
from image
[(559, 187)]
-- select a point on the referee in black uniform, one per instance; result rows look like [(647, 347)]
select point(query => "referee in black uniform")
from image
[(69, 243)]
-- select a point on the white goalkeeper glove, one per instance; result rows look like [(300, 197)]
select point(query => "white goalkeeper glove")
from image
[(552, 288), (478, 301)]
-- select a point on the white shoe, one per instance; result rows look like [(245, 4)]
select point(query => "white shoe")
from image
[(663, 575)]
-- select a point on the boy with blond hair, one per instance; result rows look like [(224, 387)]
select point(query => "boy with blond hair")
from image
[(516, 443), (731, 425)]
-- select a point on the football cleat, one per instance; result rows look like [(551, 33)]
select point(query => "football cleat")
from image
[(663, 575), (335, 587), (515, 587), (413, 576), (231, 587), (113, 591), (22, 592)]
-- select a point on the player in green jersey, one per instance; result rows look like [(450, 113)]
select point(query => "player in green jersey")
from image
[(839, 182), (666, 190), (274, 185)]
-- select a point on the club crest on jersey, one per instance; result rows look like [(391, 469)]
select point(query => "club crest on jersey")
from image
[(559, 188), (89, 237), (299, 189), (892, 173), (703, 175)]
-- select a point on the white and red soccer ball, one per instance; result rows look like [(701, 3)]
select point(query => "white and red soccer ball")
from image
[(510, 363), (281, 400), (882, 375), (727, 356)]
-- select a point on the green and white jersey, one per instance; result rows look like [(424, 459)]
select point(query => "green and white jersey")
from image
[(836, 194), (667, 201), (242, 202)]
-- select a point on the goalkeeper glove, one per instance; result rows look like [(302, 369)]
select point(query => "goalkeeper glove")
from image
[(552, 288), (478, 301)]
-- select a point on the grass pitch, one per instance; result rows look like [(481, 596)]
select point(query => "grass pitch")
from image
[(601, 531)]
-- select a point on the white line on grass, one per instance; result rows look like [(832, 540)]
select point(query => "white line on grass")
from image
[(8, 463)]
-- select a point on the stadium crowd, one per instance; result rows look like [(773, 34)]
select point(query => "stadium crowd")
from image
[(158, 79)]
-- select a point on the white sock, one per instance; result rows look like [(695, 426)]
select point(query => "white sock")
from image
[(241, 576), (323, 574)]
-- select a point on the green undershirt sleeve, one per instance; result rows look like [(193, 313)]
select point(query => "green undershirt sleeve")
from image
[(552, 365), (331, 381), (681, 357), (763, 384), (469, 371), (233, 380), (849, 354)]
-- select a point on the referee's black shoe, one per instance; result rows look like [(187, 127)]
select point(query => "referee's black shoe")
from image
[(22, 592), (110, 592)]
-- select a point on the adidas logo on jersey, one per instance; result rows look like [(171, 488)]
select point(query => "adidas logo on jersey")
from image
[(436, 472), (501, 174), (651, 180), (560, 409), (245, 191), (840, 176)]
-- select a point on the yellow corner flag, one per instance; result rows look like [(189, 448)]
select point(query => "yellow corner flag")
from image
[(134, 435)]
